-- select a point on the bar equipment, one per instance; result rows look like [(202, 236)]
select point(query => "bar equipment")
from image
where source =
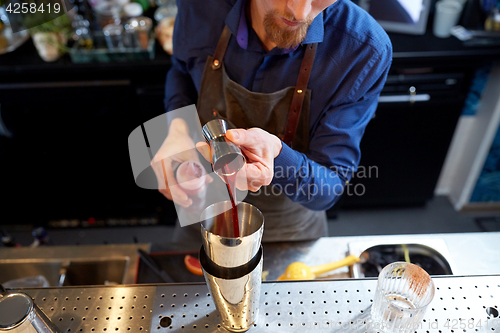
[(404, 291), (81, 32), (19, 313), (233, 266), (138, 30), (107, 12), (231, 252), (227, 157), (114, 36)]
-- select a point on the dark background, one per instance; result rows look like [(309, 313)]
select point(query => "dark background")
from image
[(65, 161)]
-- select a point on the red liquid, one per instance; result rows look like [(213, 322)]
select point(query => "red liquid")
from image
[(230, 181)]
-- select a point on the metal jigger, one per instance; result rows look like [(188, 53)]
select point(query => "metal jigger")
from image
[(232, 266), (225, 154)]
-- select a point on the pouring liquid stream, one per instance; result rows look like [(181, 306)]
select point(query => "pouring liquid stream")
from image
[(229, 177)]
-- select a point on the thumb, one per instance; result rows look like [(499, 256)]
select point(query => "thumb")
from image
[(204, 150), (236, 135), (208, 179)]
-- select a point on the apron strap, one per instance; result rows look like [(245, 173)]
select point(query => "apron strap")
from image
[(220, 50), (300, 88), (299, 94)]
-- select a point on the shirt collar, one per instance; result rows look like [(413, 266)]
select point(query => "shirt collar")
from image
[(316, 31), (234, 16), (237, 23)]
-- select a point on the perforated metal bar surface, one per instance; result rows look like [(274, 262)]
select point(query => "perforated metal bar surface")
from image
[(461, 304), (334, 306), (100, 309)]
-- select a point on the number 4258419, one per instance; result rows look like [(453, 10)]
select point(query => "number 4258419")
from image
[(25, 8), (472, 323)]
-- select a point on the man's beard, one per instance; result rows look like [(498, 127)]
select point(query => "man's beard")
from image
[(284, 38)]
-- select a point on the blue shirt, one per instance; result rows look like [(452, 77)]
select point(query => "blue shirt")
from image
[(352, 61)]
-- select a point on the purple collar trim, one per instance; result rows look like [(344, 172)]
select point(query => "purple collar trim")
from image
[(242, 35)]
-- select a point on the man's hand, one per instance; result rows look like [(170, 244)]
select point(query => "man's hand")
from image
[(177, 147), (260, 149)]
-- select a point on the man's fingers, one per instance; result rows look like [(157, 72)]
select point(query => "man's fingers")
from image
[(204, 150), (258, 175), (159, 174), (241, 180), (252, 178), (208, 179), (253, 188), (166, 193), (162, 184), (170, 188), (253, 137), (179, 197), (238, 136)]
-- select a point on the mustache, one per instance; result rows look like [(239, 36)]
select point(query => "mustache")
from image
[(291, 18), (284, 38)]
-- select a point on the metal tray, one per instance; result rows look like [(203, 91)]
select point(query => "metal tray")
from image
[(461, 304)]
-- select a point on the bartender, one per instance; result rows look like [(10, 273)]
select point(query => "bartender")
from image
[(299, 79)]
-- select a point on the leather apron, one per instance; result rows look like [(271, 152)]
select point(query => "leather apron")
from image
[(284, 113)]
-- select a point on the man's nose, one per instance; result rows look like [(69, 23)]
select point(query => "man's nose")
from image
[(300, 8)]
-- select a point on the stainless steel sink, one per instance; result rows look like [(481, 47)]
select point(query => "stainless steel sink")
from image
[(97, 272), (73, 265), (431, 250), (15, 269)]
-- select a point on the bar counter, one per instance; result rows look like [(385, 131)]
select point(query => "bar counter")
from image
[(467, 253), (470, 297)]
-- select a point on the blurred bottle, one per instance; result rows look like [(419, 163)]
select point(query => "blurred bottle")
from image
[(81, 32), (107, 12), (492, 23), (138, 31), (190, 176), (113, 33)]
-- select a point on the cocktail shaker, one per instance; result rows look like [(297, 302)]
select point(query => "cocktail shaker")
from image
[(235, 291), (232, 266), (228, 251)]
